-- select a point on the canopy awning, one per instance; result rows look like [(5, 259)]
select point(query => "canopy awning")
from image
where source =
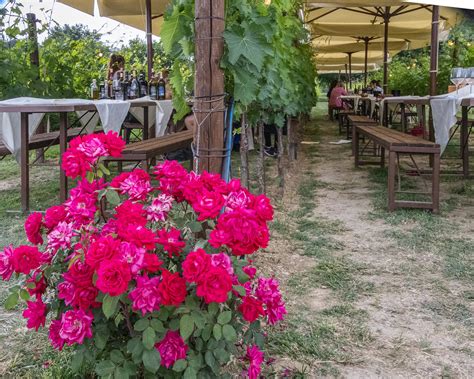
[(128, 12)]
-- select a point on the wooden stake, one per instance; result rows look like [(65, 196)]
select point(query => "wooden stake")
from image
[(209, 83), (244, 148), (281, 169), (261, 158)]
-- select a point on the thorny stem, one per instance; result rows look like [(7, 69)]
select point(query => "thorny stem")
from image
[(127, 319)]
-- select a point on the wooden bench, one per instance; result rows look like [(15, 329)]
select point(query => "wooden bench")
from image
[(43, 140), (342, 118), (144, 151), (397, 143)]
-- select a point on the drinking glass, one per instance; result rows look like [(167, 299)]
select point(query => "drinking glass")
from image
[(457, 76)]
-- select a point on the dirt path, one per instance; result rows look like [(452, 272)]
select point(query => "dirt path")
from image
[(413, 274)]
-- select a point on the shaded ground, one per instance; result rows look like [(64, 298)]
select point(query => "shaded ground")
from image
[(370, 294)]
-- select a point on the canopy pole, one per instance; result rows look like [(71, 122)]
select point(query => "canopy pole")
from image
[(366, 57), (149, 41), (350, 70), (385, 49), (434, 50), (345, 66)]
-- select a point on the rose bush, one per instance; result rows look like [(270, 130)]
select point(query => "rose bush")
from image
[(147, 277)]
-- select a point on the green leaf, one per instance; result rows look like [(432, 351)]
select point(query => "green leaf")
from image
[(120, 373), (101, 336), (199, 319), (24, 294), (209, 359), (222, 355), (112, 197), (213, 308), (130, 368), (248, 45), (217, 332), (229, 333), (173, 30), (180, 365), (141, 324), (224, 317), (116, 356), (151, 360), (104, 368), (90, 176), (118, 319), (11, 301), (76, 361), (190, 373), (240, 290), (134, 344), (206, 333), (104, 169), (186, 326), (157, 325), (195, 226), (149, 338), (109, 305)]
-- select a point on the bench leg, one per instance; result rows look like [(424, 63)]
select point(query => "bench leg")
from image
[(355, 146), (144, 165), (435, 183), (382, 156), (391, 180)]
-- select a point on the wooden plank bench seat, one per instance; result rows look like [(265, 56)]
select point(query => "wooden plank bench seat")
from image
[(357, 120), (144, 151), (395, 143), (43, 140)]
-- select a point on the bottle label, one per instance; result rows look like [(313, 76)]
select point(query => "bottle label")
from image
[(161, 91), (143, 90)]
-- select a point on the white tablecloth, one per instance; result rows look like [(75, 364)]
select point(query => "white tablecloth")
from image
[(444, 109), (110, 113), (357, 99)]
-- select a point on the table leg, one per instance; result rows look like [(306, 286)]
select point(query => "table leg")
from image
[(435, 183), (465, 142), (24, 163), (62, 148), (392, 156), (403, 117), (355, 144), (146, 125)]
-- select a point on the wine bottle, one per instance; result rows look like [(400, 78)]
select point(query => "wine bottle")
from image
[(94, 90), (161, 88), (143, 85)]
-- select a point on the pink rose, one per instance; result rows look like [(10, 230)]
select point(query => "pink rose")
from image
[(104, 248), (172, 289), (262, 206), (171, 348), (135, 183), (195, 265), (54, 216), (214, 285), (208, 205), (171, 241), (6, 264), (74, 163), (255, 358), (113, 277), (251, 309), (35, 313), (33, 225), (56, 341), (222, 260), (146, 296), (26, 258), (76, 325)]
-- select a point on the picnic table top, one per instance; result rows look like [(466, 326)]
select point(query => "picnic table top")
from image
[(467, 102)]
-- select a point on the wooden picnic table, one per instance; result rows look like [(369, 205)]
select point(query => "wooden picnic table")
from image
[(404, 102), (62, 110)]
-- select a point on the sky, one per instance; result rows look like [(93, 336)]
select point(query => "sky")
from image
[(62, 14)]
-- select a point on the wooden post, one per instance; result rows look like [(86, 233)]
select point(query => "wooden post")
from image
[(366, 57), (244, 148), (209, 85), (149, 40), (261, 158), (34, 61), (434, 50), (350, 69), (385, 50)]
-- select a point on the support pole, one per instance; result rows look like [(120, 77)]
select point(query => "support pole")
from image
[(366, 57), (385, 49), (149, 40), (434, 50), (209, 85), (345, 66), (350, 69)]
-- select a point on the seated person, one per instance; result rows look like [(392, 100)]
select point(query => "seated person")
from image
[(334, 99), (378, 87)]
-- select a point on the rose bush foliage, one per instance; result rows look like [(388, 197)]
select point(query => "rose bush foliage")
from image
[(147, 276)]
